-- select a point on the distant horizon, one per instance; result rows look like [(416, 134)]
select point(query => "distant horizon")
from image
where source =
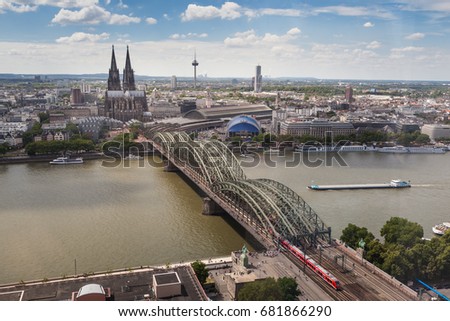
[(30, 76)]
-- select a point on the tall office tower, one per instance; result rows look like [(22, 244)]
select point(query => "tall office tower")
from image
[(173, 83), (257, 83), (114, 78), (349, 94), (76, 97), (85, 88), (195, 64), (128, 75)]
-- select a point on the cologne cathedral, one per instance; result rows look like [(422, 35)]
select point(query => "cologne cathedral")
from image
[(123, 102)]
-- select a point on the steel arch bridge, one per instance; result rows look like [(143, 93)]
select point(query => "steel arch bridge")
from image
[(270, 207)]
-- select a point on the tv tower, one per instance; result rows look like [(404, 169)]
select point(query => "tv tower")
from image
[(195, 64)]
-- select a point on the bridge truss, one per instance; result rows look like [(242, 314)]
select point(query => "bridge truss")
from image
[(271, 207)]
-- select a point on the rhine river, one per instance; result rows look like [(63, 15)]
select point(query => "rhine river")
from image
[(107, 218)]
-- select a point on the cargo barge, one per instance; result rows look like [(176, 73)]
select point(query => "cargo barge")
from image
[(395, 183)]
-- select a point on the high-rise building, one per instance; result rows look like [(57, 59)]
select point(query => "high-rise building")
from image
[(195, 64), (349, 94), (127, 103), (257, 80), (85, 88), (173, 82), (76, 97)]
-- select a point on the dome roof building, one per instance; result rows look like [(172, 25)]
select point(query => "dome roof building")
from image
[(243, 126)]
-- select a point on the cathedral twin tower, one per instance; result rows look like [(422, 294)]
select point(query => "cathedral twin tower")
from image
[(123, 102)]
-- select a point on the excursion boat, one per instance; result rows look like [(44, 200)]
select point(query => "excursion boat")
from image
[(440, 229), (66, 161), (412, 150)]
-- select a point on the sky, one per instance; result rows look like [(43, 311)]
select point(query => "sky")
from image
[(343, 39)]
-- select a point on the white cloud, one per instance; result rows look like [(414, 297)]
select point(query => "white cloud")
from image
[(177, 36), (83, 37), (294, 31), (231, 11), (151, 21), (16, 6), (272, 12), (368, 24), (228, 11), (21, 6), (250, 38), (168, 57), (355, 11), (415, 36), (120, 19), (407, 49), (122, 5), (92, 15), (373, 45), (426, 5), (107, 2)]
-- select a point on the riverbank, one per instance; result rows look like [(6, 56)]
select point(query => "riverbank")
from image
[(45, 158)]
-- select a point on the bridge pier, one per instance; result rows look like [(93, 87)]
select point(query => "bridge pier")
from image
[(211, 208), (170, 167)]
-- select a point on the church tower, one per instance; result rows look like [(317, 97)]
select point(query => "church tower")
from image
[(128, 75), (114, 78)]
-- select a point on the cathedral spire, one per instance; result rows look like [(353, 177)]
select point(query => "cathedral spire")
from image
[(128, 74), (114, 78)]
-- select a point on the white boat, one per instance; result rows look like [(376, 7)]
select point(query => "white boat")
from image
[(343, 148), (440, 229), (412, 150), (133, 157), (272, 151), (66, 161), (394, 149)]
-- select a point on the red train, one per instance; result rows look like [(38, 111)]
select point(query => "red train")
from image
[(324, 274)]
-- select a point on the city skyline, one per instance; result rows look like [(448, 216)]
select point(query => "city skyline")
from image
[(400, 39)]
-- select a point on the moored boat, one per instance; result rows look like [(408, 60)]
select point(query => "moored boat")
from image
[(440, 229), (66, 161)]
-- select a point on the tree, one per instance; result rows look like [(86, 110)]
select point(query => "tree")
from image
[(401, 231), (3, 149), (200, 271), (422, 139), (375, 252), (289, 289), (264, 290), (352, 234), (284, 289), (44, 117), (397, 263)]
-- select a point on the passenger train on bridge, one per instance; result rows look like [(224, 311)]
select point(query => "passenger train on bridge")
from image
[(324, 274)]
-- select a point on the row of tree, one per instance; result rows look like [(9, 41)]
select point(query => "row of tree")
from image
[(404, 253), (364, 137), (59, 147)]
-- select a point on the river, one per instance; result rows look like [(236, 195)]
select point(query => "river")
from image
[(136, 214)]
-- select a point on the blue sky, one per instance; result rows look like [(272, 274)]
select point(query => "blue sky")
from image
[(344, 39)]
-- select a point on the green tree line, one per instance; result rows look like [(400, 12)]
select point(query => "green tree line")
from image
[(58, 147), (403, 253)]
